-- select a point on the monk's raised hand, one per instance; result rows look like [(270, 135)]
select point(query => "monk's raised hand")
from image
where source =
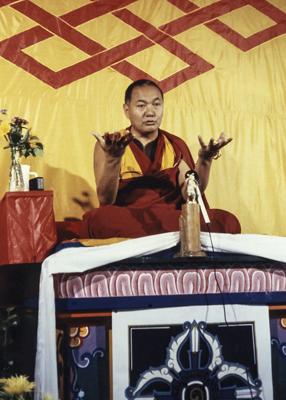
[(114, 143), (212, 149)]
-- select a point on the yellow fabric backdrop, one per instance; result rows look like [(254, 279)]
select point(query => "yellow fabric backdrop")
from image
[(242, 95)]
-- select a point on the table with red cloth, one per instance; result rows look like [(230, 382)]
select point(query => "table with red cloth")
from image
[(28, 228)]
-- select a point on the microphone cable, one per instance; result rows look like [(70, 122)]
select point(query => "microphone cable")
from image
[(224, 308), (194, 190), (216, 278)]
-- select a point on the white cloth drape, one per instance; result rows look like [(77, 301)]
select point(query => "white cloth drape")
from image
[(80, 259)]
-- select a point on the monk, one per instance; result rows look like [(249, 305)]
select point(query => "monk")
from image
[(140, 173)]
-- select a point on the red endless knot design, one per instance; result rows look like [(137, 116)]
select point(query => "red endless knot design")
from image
[(100, 57)]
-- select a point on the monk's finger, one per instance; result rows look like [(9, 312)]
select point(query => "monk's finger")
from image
[(221, 137), (202, 143), (107, 139), (111, 139), (127, 139), (98, 137), (211, 144), (116, 139), (224, 143), (127, 134), (117, 136)]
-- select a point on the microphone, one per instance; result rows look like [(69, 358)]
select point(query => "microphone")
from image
[(194, 173), (194, 193)]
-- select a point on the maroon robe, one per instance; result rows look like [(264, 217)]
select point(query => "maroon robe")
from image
[(150, 203)]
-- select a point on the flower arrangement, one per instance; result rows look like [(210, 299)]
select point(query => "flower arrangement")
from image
[(21, 144), (19, 138), (16, 388)]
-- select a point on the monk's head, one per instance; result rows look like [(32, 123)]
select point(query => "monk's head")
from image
[(143, 106)]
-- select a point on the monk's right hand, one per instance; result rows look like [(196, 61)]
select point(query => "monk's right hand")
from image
[(114, 144)]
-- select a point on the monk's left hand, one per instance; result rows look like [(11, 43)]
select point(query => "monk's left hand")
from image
[(212, 149)]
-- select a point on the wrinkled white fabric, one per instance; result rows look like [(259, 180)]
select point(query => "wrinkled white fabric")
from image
[(80, 259)]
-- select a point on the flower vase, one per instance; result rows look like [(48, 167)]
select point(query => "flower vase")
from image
[(16, 181)]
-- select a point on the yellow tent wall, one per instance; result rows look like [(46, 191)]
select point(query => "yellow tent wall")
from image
[(64, 66)]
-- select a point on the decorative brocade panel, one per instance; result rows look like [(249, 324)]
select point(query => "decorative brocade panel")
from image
[(113, 283)]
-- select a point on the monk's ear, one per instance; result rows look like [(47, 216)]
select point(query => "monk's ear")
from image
[(126, 110)]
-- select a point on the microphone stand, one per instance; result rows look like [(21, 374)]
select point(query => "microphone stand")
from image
[(189, 221)]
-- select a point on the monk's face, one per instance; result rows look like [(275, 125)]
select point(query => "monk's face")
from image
[(145, 111)]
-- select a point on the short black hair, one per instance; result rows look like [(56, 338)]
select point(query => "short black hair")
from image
[(139, 83)]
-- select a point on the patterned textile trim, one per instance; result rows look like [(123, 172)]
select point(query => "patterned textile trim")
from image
[(114, 283)]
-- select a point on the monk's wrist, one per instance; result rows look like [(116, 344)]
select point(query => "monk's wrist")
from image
[(208, 156), (204, 160), (111, 159)]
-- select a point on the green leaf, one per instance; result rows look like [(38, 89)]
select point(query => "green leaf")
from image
[(38, 151), (25, 137)]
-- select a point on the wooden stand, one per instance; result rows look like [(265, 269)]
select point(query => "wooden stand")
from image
[(190, 231)]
